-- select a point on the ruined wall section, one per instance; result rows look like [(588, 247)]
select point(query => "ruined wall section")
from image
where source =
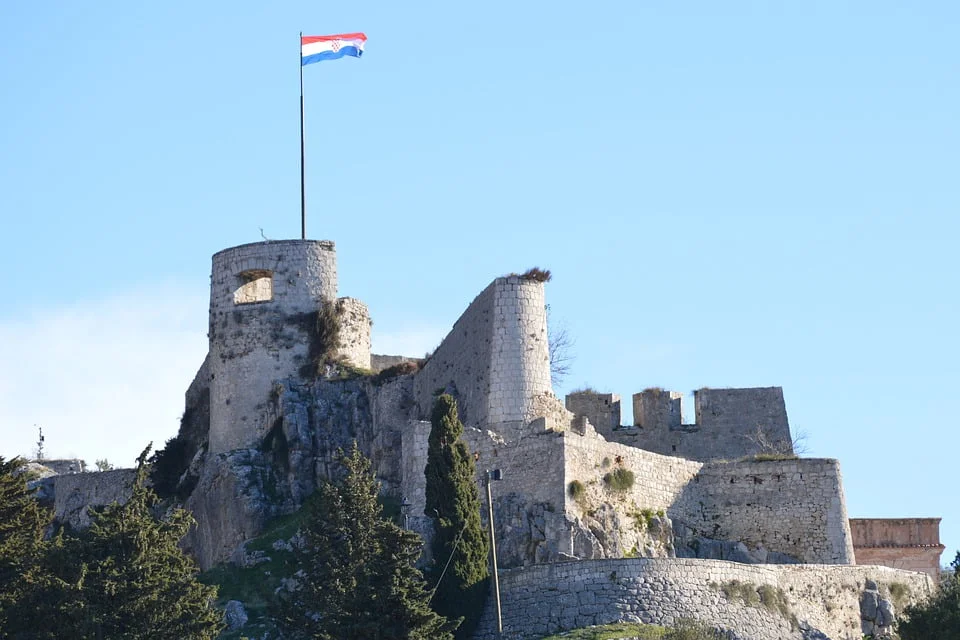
[(601, 409), (260, 298), (796, 507), (547, 599), (74, 493), (495, 359), (355, 323)]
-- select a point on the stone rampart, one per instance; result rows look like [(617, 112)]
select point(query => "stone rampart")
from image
[(547, 599), (796, 507), (261, 296), (730, 423), (74, 493), (495, 359)]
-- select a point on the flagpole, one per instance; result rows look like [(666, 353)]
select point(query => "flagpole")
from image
[(303, 196)]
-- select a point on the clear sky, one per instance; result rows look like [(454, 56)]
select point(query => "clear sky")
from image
[(728, 194)]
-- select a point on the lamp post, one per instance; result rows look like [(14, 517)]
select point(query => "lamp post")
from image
[(491, 476), (405, 509)]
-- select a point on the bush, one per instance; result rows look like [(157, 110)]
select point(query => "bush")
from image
[(576, 489), (619, 479), (687, 629), (537, 274)]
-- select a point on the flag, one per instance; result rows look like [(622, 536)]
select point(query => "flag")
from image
[(317, 48)]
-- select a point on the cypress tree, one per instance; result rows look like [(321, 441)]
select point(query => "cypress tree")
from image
[(359, 580), (453, 501)]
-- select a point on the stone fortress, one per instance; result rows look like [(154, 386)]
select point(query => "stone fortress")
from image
[(596, 521)]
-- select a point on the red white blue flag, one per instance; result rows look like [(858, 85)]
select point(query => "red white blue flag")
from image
[(317, 48)]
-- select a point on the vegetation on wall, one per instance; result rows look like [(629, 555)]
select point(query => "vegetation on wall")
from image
[(619, 480), (323, 329), (452, 499), (358, 580)]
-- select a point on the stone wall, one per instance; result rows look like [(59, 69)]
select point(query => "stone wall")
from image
[(254, 343), (495, 360), (546, 599), (380, 362), (354, 332), (796, 507), (601, 409), (730, 423), (74, 493), (902, 543)]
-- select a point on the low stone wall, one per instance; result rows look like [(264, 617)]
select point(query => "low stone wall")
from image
[(74, 493), (545, 599)]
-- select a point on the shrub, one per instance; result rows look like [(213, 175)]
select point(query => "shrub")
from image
[(576, 489), (537, 274), (619, 479), (397, 370), (687, 629), (899, 594)]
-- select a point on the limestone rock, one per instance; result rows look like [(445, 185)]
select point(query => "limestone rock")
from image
[(234, 615)]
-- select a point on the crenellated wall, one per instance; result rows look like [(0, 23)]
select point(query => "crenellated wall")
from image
[(495, 359), (730, 423)]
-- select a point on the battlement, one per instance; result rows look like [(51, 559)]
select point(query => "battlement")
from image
[(730, 423)]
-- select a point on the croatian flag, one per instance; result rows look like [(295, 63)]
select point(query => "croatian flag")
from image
[(317, 48)]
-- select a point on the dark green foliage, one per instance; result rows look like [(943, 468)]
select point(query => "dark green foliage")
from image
[(124, 578), (537, 274), (323, 328), (22, 523), (397, 370), (359, 581), (939, 617), (453, 501), (167, 466), (576, 489), (619, 479)]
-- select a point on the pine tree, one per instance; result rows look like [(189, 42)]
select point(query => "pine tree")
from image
[(359, 581), (22, 523), (124, 578), (939, 617), (453, 500)]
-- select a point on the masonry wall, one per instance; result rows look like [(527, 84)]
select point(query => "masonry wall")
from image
[(354, 332), (259, 334), (495, 358), (547, 599), (75, 492), (730, 424), (601, 409), (796, 507)]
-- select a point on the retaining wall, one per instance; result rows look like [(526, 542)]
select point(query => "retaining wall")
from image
[(547, 599)]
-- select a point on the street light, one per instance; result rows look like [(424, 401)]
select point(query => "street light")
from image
[(491, 476), (405, 509)]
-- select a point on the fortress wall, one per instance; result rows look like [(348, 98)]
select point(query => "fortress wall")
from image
[(75, 492), (495, 357), (796, 507), (354, 332), (259, 295), (659, 481), (730, 424), (546, 599), (601, 409)]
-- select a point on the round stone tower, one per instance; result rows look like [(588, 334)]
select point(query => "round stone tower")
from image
[(263, 303)]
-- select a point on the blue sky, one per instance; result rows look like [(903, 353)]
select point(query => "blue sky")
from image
[(728, 194)]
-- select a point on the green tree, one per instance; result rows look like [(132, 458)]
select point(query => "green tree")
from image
[(459, 546), (359, 577), (22, 523), (938, 617), (123, 578)]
